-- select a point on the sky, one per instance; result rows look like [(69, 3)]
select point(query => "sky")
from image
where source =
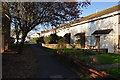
[(92, 9), (99, 6)]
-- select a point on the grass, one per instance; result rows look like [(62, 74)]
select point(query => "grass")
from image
[(12, 46), (77, 53), (102, 59), (108, 58), (69, 50), (114, 72)]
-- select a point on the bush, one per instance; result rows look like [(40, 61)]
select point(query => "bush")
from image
[(54, 38), (35, 40), (59, 37), (67, 37), (47, 39), (77, 41), (51, 39), (41, 40), (61, 45)]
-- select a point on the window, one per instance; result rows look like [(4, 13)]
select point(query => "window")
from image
[(92, 41)]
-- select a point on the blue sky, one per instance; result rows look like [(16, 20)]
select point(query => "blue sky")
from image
[(97, 5)]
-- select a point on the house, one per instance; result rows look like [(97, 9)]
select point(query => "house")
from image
[(100, 30), (34, 35), (4, 33)]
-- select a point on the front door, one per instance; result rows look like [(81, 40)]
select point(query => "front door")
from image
[(97, 42), (82, 41)]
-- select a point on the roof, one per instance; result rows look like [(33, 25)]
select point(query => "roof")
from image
[(78, 34), (106, 31), (98, 14)]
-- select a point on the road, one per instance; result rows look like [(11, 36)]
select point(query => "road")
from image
[(49, 67)]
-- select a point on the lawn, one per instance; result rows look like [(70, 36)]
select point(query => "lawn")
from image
[(101, 59), (115, 72), (104, 58), (108, 58), (85, 56)]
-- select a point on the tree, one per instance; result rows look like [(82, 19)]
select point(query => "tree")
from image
[(16, 31), (54, 38), (31, 14)]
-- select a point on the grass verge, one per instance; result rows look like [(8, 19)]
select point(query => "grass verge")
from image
[(78, 53), (115, 72), (12, 46)]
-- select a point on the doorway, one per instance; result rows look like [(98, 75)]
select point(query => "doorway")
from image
[(82, 40), (97, 42)]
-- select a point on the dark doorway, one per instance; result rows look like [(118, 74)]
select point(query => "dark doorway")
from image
[(82, 40), (98, 42), (119, 42), (81, 37)]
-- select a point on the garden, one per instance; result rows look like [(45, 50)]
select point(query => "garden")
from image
[(85, 59), (90, 58)]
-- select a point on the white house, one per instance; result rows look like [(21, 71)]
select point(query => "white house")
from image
[(100, 30), (34, 35)]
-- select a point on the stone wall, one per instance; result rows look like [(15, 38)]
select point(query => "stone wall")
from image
[(67, 45)]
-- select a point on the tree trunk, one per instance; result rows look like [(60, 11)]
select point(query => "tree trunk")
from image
[(20, 48), (17, 37)]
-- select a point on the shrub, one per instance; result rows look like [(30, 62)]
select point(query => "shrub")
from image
[(51, 39), (61, 45), (47, 39), (41, 39), (77, 41), (59, 37), (54, 38), (35, 39), (67, 37)]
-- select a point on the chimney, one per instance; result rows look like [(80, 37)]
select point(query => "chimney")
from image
[(96, 10)]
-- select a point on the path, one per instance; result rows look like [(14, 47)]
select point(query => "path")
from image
[(49, 67)]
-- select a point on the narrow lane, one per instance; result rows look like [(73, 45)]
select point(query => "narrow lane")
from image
[(49, 67)]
